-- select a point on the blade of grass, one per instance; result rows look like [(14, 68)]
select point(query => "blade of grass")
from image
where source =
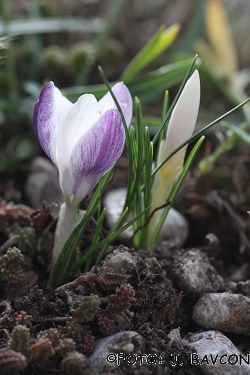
[(61, 268), (99, 43), (64, 260), (199, 133), (53, 25), (243, 135), (157, 135), (194, 27), (158, 80), (96, 236), (10, 66), (116, 227), (129, 148), (159, 42), (177, 187), (148, 184), (112, 236)]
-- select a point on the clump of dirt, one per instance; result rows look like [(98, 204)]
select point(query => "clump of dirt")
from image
[(130, 291)]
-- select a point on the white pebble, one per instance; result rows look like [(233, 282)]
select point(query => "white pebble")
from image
[(214, 354), (174, 229)]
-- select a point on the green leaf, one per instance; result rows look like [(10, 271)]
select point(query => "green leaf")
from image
[(199, 133), (63, 263), (112, 235), (164, 122), (176, 188), (117, 225), (51, 25), (158, 80), (155, 46), (96, 235), (244, 136)]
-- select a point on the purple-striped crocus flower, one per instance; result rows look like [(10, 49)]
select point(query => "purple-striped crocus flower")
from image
[(84, 139)]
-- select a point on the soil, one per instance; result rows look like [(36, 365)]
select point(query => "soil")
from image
[(167, 283)]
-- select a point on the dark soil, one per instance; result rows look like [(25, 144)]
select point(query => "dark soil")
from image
[(163, 295)]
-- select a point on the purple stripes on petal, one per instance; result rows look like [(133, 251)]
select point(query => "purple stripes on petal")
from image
[(45, 121), (94, 154), (124, 98)]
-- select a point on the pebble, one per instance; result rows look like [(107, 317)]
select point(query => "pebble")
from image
[(226, 312), (194, 274), (214, 354), (43, 184), (105, 358), (174, 229), (120, 259)]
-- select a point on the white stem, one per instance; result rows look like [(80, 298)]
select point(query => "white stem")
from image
[(68, 219)]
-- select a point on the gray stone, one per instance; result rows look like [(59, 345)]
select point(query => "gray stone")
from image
[(105, 356), (175, 227), (195, 275), (214, 354), (43, 184), (226, 312)]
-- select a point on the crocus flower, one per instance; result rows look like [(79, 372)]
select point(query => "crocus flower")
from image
[(84, 139), (180, 128)]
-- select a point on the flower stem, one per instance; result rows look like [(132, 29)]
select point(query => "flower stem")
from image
[(68, 219)]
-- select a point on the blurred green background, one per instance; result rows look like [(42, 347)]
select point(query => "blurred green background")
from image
[(66, 40)]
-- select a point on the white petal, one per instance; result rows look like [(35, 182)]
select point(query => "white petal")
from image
[(62, 103), (124, 99), (106, 103), (73, 124), (184, 116), (181, 127)]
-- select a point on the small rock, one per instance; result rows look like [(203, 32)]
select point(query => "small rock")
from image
[(43, 184), (175, 341), (226, 312), (120, 259), (195, 275), (175, 227), (105, 357), (174, 336), (243, 287), (214, 354)]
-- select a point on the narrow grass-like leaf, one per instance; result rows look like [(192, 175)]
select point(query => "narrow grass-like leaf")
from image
[(139, 140), (64, 260), (220, 36), (158, 80), (176, 188), (164, 122), (53, 25), (157, 135), (154, 47), (199, 133), (100, 42), (139, 137), (147, 187), (194, 27), (96, 236), (243, 135), (107, 243), (130, 152), (61, 267), (11, 75), (113, 235), (163, 133)]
